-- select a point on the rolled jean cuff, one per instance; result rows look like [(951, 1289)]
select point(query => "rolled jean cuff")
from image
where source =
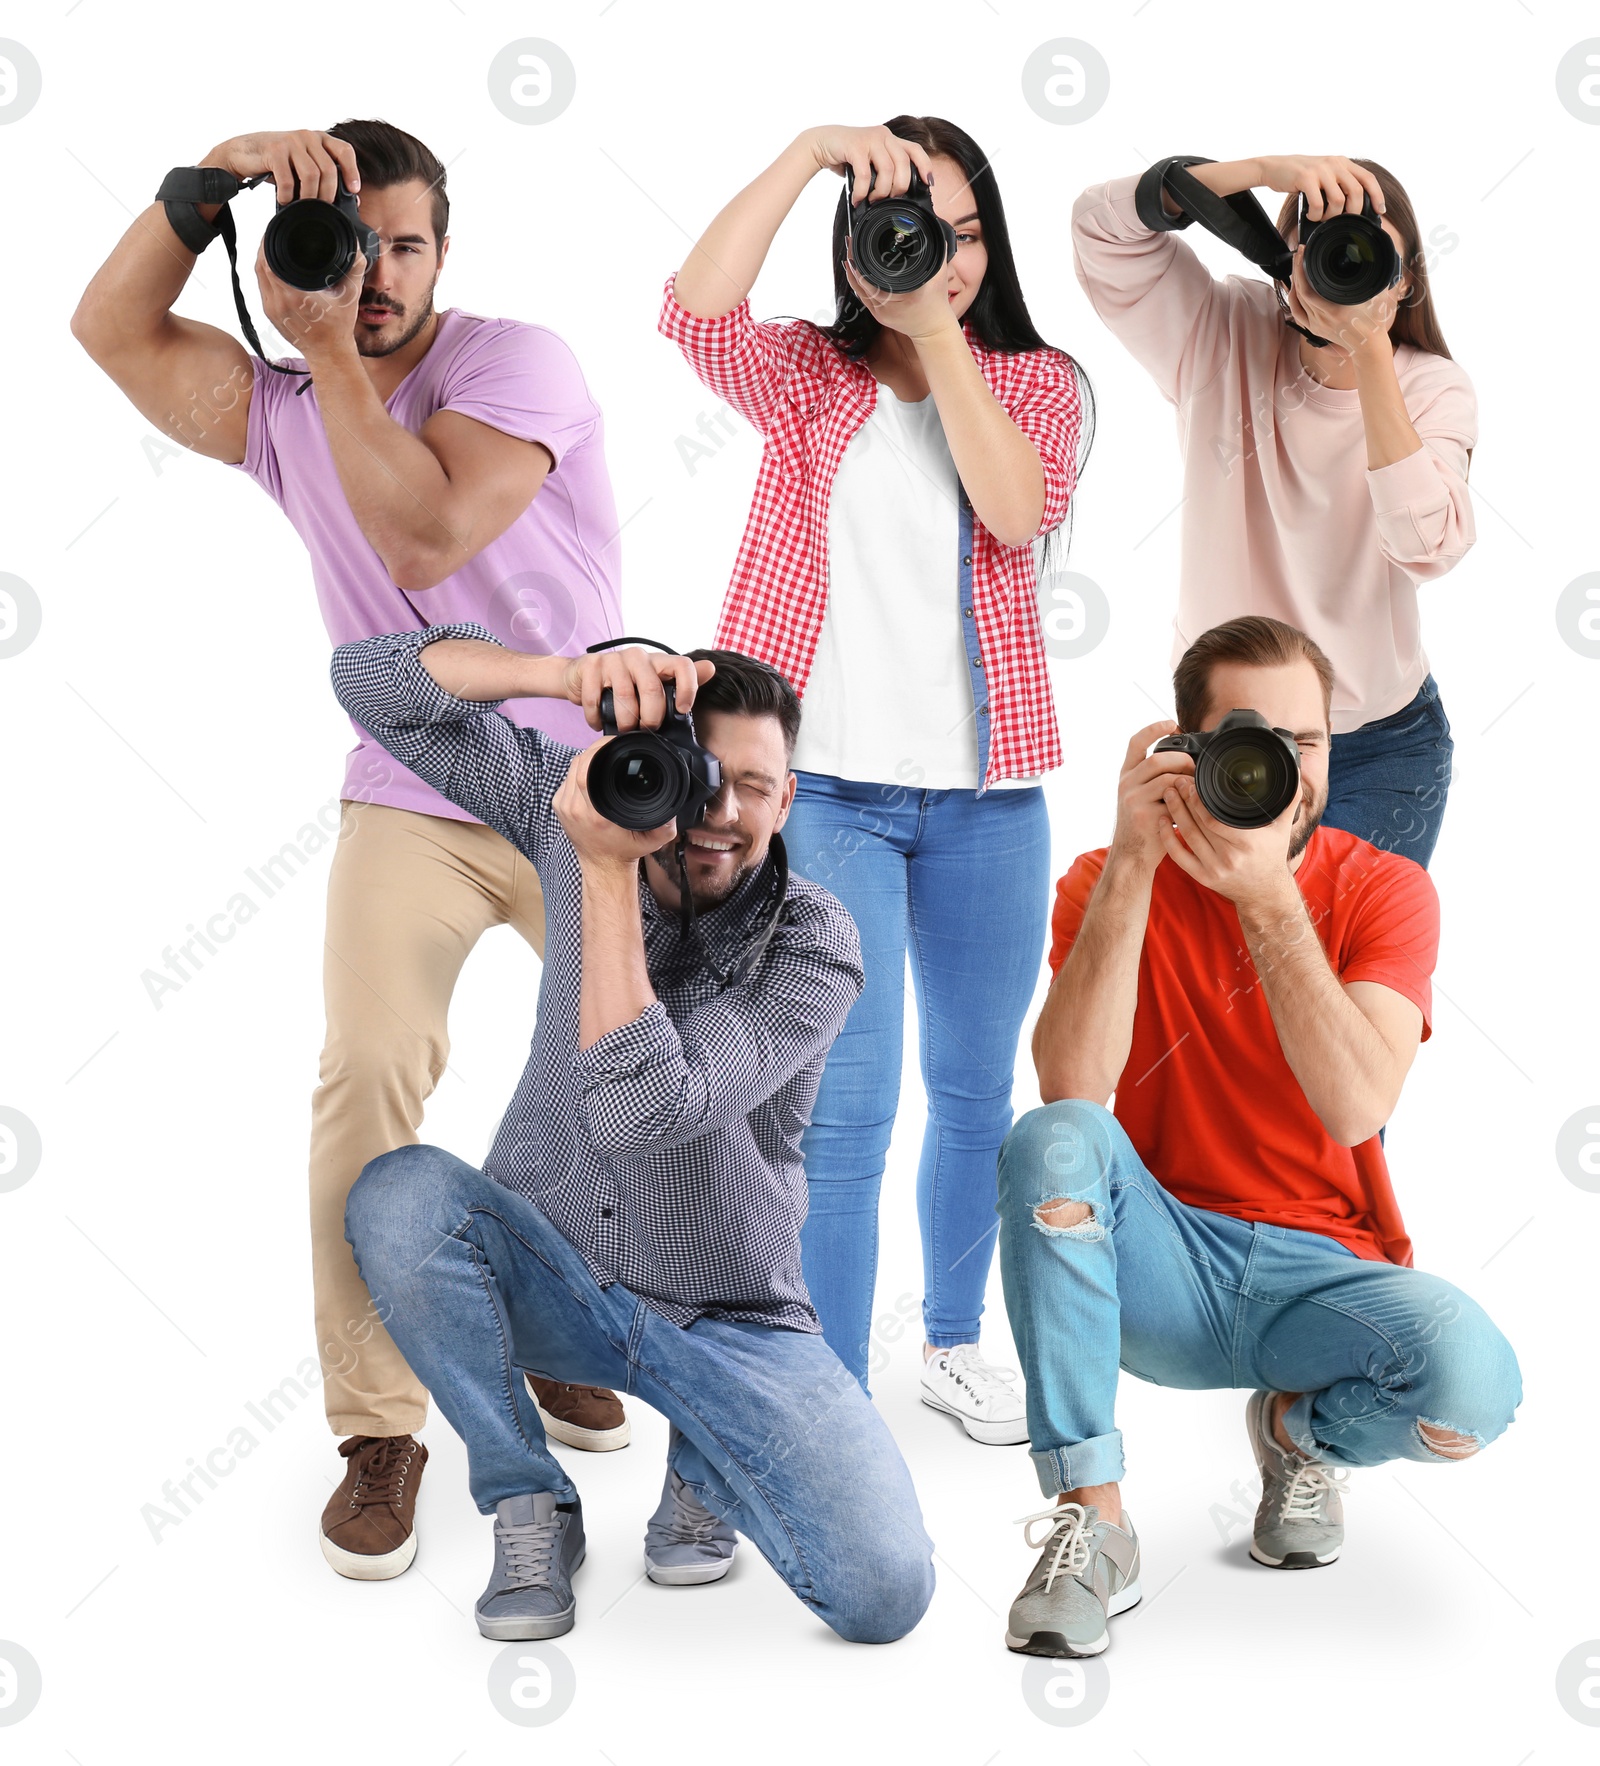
[(1096, 1461), (1297, 1426)]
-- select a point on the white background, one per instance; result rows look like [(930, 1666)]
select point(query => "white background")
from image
[(172, 725)]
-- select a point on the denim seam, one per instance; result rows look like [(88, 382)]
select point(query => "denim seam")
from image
[(481, 1265), (1381, 1409), (808, 1592)]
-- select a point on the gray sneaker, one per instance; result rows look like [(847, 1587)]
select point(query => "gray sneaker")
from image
[(1087, 1573), (537, 1546), (1300, 1522), (683, 1541)]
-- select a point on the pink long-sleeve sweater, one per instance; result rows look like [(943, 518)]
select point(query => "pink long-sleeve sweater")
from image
[(1281, 514)]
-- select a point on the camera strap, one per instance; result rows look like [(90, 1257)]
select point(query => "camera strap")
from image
[(187, 185), (1238, 220)]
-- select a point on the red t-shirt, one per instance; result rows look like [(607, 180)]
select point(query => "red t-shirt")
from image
[(1207, 1098)]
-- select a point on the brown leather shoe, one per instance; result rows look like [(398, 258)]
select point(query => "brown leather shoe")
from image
[(589, 1417), (369, 1525)]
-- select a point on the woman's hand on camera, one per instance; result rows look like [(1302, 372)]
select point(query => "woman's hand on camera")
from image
[(1349, 329), (918, 313), (635, 676), (311, 156), (875, 159), (1330, 183)]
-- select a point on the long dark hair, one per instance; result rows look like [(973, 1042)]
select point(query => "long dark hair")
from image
[(998, 315), (1415, 321)]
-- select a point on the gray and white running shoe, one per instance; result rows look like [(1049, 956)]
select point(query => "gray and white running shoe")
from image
[(1300, 1521), (683, 1541), (1087, 1573), (537, 1547)]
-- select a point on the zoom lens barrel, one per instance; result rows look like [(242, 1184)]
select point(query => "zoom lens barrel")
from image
[(309, 244), (1246, 777), (1349, 259), (637, 781)]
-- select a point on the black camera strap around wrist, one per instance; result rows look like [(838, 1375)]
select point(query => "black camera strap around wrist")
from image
[(1238, 220), (184, 187)]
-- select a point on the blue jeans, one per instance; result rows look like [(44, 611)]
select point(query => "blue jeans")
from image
[(768, 1429), (964, 882), (1388, 781), (1184, 1297)]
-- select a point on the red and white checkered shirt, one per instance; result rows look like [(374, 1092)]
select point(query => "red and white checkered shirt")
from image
[(806, 399)]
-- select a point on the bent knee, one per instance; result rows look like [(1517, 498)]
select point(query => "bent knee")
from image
[(1054, 1163), (1473, 1397), (401, 1198), (888, 1607)]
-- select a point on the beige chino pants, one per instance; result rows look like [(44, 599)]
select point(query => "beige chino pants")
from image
[(409, 895)]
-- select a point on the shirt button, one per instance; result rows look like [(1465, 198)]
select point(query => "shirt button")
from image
[(967, 559), (605, 1213), (966, 612)]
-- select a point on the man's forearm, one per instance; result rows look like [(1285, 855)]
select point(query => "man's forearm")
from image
[(616, 979), (483, 673), (1345, 1068), (400, 495), (1084, 1033)]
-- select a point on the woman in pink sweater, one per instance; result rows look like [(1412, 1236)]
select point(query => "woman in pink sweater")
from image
[(1321, 484)]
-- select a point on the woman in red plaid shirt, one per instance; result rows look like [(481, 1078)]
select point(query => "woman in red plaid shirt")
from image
[(914, 451)]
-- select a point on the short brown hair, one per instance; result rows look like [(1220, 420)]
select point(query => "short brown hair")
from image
[(752, 688), (386, 156), (1256, 642)]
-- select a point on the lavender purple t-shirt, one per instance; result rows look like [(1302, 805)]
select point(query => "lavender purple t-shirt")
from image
[(548, 584)]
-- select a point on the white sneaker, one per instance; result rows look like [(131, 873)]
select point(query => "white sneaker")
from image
[(982, 1397)]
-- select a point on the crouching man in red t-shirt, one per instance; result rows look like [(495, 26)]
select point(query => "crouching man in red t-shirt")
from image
[(1254, 1003)]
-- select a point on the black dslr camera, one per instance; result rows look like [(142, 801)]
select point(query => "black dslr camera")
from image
[(897, 242), (1348, 258), (311, 244), (647, 777), (1246, 771)]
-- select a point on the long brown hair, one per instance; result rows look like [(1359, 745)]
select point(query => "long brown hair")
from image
[(1415, 321)]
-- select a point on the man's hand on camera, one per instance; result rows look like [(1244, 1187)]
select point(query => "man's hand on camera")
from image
[(311, 156), (319, 323), (1142, 812), (1248, 866), (634, 676), (602, 846)]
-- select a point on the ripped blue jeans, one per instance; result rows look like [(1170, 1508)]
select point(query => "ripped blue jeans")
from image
[(1185, 1297)]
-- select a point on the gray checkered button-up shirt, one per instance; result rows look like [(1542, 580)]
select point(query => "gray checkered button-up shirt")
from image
[(668, 1152)]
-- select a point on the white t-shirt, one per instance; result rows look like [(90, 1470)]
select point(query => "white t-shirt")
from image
[(889, 697)]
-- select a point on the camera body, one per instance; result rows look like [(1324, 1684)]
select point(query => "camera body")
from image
[(897, 242), (644, 778), (1348, 258), (1246, 770), (311, 244)]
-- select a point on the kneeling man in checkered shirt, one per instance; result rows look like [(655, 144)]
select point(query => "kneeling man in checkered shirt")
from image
[(637, 1222)]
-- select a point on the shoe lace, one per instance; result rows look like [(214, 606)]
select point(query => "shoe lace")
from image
[(1309, 1487), (528, 1549), (983, 1378), (381, 1468), (692, 1522), (1068, 1524)]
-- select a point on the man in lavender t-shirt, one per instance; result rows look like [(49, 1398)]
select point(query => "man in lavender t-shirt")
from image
[(441, 468)]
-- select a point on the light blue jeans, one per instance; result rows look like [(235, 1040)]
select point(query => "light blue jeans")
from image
[(963, 882), (1184, 1297), (768, 1429)]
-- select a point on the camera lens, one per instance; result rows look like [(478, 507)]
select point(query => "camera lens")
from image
[(1245, 780), (309, 244), (1349, 259), (637, 781), (896, 250)]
